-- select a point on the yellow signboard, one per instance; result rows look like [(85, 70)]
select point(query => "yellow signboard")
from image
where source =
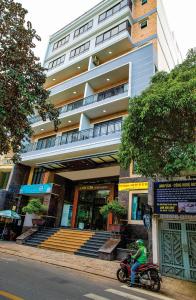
[(133, 186)]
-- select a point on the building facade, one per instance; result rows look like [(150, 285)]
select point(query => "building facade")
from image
[(95, 64)]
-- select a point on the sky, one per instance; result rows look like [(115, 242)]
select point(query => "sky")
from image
[(48, 16)]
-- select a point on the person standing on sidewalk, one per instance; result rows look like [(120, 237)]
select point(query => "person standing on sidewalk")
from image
[(140, 258)]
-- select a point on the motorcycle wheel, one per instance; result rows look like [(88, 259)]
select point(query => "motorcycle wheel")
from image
[(155, 277), (121, 275)]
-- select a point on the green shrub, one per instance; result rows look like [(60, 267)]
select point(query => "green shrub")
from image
[(115, 208), (34, 207)]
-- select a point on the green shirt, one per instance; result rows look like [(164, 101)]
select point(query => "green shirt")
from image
[(141, 255)]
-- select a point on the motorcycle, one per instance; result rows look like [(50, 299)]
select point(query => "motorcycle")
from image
[(147, 275)]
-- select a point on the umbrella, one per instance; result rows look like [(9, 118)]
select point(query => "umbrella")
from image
[(8, 214)]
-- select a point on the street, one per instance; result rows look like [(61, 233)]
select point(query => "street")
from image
[(30, 280)]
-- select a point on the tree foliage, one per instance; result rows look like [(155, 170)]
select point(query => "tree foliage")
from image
[(21, 78), (159, 132), (115, 208), (34, 207)]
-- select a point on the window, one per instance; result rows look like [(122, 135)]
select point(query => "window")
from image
[(112, 32), (38, 176), (138, 205), (69, 137), (143, 24), (46, 142), (61, 42), (144, 1), (110, 12), (107, 127), (57, 62), (79, 50), (83, 29)]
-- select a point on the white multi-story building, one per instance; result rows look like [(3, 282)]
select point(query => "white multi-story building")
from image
[(95, 64)]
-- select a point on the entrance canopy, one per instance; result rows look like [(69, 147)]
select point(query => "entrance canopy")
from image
[(83, 163)]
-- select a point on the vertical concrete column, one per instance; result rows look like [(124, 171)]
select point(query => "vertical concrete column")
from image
[(155, 243), (130, 80), (30, 175), (84, 122), (151, 239)]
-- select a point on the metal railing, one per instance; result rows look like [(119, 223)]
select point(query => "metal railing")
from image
[(123, 88), (76, 136)]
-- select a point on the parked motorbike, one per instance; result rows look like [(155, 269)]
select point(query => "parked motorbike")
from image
[(147, 275)]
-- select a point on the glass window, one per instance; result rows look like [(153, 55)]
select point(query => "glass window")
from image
[(138, 204), (99, 39), (102, 17), (83, 29), (123, 3), (56, 62), (116, 8), (122, 26), (107, 35), (114, 31), (109, 13), (61, 42), (143, 24)]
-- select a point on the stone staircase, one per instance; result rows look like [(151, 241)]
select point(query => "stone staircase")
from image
[(66, 240), (91, 247), (86, 243), (40, 236)]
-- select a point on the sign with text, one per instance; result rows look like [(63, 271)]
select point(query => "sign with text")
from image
[(175, 197), (133, 186), (30, 189)]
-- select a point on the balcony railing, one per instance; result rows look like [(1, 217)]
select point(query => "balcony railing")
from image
[(87, 101), (76, 136)]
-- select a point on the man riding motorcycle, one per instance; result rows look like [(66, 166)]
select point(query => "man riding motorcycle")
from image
[(140, 258)]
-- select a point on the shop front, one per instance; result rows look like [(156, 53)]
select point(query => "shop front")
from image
[(88, 199)]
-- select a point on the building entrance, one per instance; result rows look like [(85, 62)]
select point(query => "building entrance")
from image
[(88, 213)]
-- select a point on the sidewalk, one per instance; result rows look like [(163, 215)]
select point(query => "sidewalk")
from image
[(176, 289)]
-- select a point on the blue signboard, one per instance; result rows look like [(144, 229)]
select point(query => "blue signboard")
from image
[(175, 197), (30, 189)]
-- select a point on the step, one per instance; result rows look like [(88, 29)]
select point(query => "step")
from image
[(63, 239), (36, 239), (89, 248), (72, 235), (58, 248), (52, 242), (95, 255), (28, 243)]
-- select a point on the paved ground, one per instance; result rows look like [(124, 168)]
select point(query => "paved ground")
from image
[(26, 279), (173, 288)]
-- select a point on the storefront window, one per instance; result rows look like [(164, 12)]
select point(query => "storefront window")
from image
[(138, 203), (88, 214)]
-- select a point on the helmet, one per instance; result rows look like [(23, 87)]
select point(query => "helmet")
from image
[(140, 243)]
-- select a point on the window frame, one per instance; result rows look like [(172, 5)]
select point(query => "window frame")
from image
[(60, 42), (106, 14), (127, 25), (78, 49), (131, 194), (84, 28), (144, 2), (144, 21), (54, 63)]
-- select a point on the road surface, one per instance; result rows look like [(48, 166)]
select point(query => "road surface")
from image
[(30, 280)]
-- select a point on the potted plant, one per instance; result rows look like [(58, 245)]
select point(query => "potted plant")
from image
[(33, 210), (82, 218), (117, 211)]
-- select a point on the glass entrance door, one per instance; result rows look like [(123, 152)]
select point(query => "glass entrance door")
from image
[(88, 215)]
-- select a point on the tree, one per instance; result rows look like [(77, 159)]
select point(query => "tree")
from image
[(21, 79), (159, 132)]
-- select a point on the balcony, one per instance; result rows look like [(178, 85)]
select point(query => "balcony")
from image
[(101, 138), (121, 89)]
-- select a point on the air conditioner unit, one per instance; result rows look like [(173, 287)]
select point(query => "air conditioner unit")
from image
[(95, 60)]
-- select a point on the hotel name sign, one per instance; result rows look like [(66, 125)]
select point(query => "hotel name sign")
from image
[(133, 186)]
